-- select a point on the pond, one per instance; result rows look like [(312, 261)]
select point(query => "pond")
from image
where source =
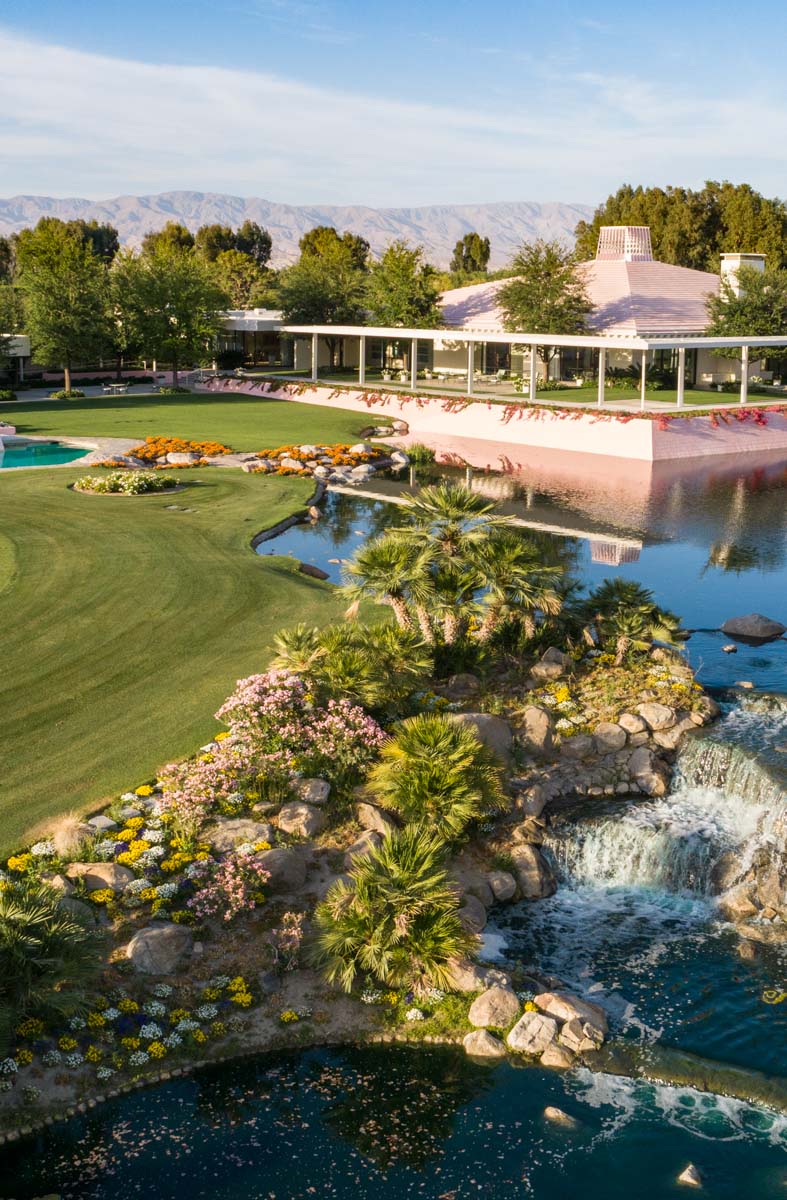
[(37, 454)]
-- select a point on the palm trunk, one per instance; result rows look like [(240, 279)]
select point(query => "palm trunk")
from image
[(425, 625), (403, 618), (67, 377), (175, 370), (119, 367)]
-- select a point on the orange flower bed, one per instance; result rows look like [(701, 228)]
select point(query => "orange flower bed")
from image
[(159, 447)]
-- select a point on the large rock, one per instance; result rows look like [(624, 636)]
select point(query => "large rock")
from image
[(182, 458), (532, 801), (537, 729), (101, 875), (102, 823), (502, 885), (533, 874), (736, 904), (464, 976), (754, 628), (481, 1044), (472, 914), (286, 867), (497, 1006), (371, 817), (565, 1006), (368, 841), (472, 882), (557, 1056), (690, 1177), (229, 832), (546, 672), (302, 819), (160, 949), (649, 773), (494, 732), (553, 655), (313, 791), (578, 746), (657, 716), (580, 1036), (632, 723), (608, 737), (532, 1033), (459, 687), (670, 739)]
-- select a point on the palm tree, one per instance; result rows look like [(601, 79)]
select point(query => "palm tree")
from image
[(437, 772), (515, 583), (298, 650), (625, 612), (48, 955), (395, 918), (393, 571)]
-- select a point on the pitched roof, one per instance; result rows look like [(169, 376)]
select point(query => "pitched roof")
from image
[(640, 298)]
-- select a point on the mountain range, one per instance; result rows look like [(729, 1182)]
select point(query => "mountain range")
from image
[(435, 227)]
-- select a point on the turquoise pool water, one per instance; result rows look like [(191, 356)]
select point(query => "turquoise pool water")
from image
[(38, 454)]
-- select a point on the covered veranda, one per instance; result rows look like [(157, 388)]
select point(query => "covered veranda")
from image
[(468, 350)]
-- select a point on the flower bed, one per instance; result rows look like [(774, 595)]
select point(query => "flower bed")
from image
[(319, 460), (126, 483)]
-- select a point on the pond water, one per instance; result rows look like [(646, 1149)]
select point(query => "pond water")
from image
[(37, 454)]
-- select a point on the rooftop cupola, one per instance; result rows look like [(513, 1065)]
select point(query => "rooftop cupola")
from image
[(624, 243), (732, 263)]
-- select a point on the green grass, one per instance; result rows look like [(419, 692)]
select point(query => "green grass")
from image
[(241, 422), (125, 625)]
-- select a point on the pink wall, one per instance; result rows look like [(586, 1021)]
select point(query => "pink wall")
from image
[(548, 429)]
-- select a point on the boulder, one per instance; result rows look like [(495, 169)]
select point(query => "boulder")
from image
[(532, 1033), (754, 628), (657, 716), (533, 873), (558, 1117), (85, 913), (286, 867), (472, 882), (537, 729), (546, 672), (531, 830), (736, 903), (532, 801), (578, 746), (101, 875), (557, 1056), (58, 883), (464, 976), (669, 739), (312, 571), (362, 448), (580, 1036), (690, 1176), (772, 891), (290, 464), (649, 773), (371, 817), (472, 914), (565, 1006), (632, 723), (182, 458), (228, 832), (302, 819), (368, 841), (102, 824), (608, 737), (497, 1006), (481, 1044), (160, 949), (313, 791), (494, 732), (553, 655), (459, 687), (503, 885)]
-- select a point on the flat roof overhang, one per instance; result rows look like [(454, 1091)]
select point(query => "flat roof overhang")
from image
[(591, 340)]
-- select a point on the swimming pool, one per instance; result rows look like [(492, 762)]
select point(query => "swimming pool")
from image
[(21, 453)]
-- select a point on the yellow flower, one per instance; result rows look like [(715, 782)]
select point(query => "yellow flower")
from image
[(210, 993), (67, 1043), (179, 1014), (136, 822), (218, 1028), (238, 984), (128, 1006), (148, 893), (199, 1036), (31, 1027), (243, 999), (144, 790), (96, 1020), (206, 758), (201, 856), (24, 1057), (93, 1054), (531, 1007), (262, 845), (288, 1016), (225, 733), (102, 895), (19, 862), (130, 1043), (157, 1050)]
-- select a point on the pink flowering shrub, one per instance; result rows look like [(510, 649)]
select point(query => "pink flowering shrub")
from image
[(342, 742), (286, 941), (228, 887)]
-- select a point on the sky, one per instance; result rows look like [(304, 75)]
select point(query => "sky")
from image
[(407, 104)]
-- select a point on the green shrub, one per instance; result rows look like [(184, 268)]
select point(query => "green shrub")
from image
[(62, 394), (126, 483), (7, 394), (170, 389), (421, 455)]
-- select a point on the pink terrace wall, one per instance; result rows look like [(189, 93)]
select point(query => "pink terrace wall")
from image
[(586, 433)]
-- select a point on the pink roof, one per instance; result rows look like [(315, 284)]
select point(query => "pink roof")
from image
[(639, 298)]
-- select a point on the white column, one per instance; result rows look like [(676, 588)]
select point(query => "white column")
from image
[(602, 374), (744, 374), (362, 360), (315, 355), (533, 374), (470, 366), (681, 374), (414, 364), (643, 378)]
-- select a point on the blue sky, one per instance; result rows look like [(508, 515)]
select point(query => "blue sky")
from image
[(332, 101)]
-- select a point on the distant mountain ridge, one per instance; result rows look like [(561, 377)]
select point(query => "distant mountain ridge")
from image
[(436, 227)]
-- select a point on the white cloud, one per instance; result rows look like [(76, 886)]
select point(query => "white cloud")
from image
[(87, 124)]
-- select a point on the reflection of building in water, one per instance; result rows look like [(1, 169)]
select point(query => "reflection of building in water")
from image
[(495, 487), (614, 553)]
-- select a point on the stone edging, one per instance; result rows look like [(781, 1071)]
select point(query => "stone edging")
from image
[(266, 535)]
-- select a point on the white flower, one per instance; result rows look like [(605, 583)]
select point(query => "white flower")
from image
[(172, 1041), (9, 1066), (413, 1014), (206, 1012), (43, 849), (136, 885), (220, 981), (105, 849), (165, 891), (111, 1014), (371, 997), (104, 1073), (245, 848), (154, 1008), (52, 1058), (162, 990), (150, 1031), (186, 1026), (74, 1060), (77, 1023), (138, 1058), (436, 994), (154, 836), (563, 723)]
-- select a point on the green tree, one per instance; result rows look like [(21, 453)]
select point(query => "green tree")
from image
[(48, 955), (173, 305), (10, 320), (324, 288), (437, 773), (172, 236), (65, 295), (103, 239), (239, 277), (471, 255), (126, 320), (546, 295), (324, 242), (758, 308), (626, 617), (395, 571), (401, 289), (515, 583), (252, 239), (7, 258), (212, 240), (395, 919)]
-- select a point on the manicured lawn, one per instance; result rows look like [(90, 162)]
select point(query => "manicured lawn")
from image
[(124, 625), (241, 422)]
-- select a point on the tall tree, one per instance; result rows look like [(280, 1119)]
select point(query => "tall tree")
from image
[(252, 239), (174, 305), (7, 258), (324, 288), (693, 228), (471, 254), (545, 294), (757, 306), (10, 320), (402, 289), (324, 242), (212, 240), (64, 291), (103, 239), (239, 276), (173, 236)]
